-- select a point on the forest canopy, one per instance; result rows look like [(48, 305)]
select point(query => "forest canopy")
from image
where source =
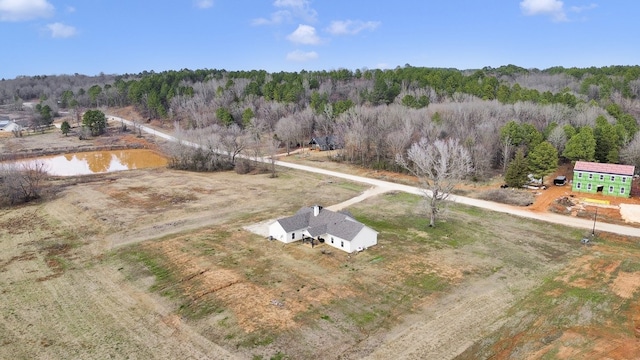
[(376, 114)]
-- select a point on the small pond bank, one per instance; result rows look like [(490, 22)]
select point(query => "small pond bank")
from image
[(41, 152), (95, 162)]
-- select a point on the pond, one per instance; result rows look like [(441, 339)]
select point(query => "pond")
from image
[(97, 162)]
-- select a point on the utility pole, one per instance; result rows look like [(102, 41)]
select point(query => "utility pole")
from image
[(593, 232)]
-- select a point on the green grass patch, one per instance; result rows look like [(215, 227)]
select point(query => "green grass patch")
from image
[(364, 318), (629, 265), (165, 280), (428, 282), (415, 228), (256, 339), (350, 186), (586, 295), (403, 198), (200, 309)]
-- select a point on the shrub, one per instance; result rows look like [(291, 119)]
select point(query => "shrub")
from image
[(21, 183), (508, 196), (244, 166)]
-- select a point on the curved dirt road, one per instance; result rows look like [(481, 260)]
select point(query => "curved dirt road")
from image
[(385, 186)]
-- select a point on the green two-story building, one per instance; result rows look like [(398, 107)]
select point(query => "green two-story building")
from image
[(606, 179)]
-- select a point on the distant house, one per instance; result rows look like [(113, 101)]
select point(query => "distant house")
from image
[(607, 179), (8, 125), (335, 229), (323, 143)]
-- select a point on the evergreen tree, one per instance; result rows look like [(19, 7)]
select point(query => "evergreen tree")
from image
[(224, 116), (543, 160), (517, 171), (606, 140), (95, 121), (581, 146), (65, 128)]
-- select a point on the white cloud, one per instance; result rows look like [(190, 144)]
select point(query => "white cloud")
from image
[(351, 27), (290, 3), (277, 17), (554, 8), (304, 34), (60, 30), (301, 56), (71, 9), (20, 10), (579, 9), (289, 10), (203, 4)]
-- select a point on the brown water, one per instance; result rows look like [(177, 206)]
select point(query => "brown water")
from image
[(96, 162)]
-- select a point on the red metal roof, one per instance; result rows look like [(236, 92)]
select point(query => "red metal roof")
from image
[(604, 168)]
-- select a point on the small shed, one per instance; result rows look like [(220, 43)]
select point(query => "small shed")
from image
[(324, 143)]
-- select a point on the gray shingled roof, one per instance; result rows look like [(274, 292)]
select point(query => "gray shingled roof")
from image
[(326, 222), (295, 222)]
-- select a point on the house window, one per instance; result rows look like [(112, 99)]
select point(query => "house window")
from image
[(601, 177), (578, 186), (293, 236), (610, 189), (621, 190), (590, 176), (613, 178), (589, 186), (341, 243), (579, 175), (624, 179), (332, 239)]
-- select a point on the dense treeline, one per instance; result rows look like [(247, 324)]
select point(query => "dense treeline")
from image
[(376, 114)]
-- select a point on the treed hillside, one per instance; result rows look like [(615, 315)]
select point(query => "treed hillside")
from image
[(375, 114)]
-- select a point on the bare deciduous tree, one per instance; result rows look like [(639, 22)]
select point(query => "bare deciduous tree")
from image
[(507, 150), (439, 166), (558, 138), (22, 182), (272, 146), (234, 140), (631, 153), (287, 130)]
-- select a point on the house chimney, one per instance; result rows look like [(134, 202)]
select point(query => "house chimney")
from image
[(316, 210)]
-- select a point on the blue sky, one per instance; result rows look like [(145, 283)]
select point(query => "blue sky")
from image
[(51, 37)]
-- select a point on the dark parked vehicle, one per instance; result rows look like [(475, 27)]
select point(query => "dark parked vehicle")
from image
[(560, 180)]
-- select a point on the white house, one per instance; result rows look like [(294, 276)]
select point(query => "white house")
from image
[(9, 125), (335, 229)]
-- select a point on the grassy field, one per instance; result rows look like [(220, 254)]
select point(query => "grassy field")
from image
[(156, 264)]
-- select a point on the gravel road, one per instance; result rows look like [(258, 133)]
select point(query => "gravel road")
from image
[(385, 186)]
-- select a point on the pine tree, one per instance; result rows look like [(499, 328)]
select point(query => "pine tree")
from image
[(517, 171), (581, 146), (543, 160), (65, 128)]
